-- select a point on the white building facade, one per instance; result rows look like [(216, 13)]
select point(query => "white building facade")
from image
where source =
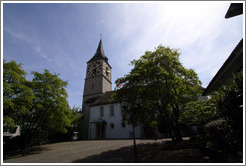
[(106, 123)]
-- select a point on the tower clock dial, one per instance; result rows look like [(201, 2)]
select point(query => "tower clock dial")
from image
[(94, 68)]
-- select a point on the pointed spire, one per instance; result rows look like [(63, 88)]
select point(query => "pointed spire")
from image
[(100, 52)]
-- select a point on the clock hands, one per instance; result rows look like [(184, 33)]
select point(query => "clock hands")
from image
[(92, 69), (96, 66)]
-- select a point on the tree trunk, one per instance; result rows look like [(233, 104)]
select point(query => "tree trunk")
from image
[(177, 133), (176, 126)]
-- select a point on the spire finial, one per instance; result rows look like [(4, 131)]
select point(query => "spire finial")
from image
[(101, 36)]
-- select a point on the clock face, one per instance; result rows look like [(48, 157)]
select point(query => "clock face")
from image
[(99, 68), (94, 68)]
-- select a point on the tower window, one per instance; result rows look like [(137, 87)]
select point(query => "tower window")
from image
[(92, 86), (107, 71), (94, 71), (101, 111)]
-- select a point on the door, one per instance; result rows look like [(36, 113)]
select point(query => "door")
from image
[(100, 131)]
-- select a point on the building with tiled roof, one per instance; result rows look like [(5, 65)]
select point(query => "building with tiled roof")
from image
[(234, 62), (102, 114)]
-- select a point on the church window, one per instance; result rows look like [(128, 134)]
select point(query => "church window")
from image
[(101, 111), (112, 110), (92, 86), (107, 71)]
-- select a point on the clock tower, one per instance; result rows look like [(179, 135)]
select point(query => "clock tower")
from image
[(97, 82)]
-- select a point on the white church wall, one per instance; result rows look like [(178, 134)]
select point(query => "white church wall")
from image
[(117, 132)]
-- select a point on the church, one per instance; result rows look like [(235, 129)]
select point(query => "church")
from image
[(102, 115)]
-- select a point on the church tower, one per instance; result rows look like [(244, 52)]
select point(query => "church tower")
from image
[(97, 82)]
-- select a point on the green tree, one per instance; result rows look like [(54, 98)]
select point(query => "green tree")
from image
[(17, 96), (229, 103), (50, 113), (77, 121), (220, 117), (198, 113), (164, 84), (39, 106)]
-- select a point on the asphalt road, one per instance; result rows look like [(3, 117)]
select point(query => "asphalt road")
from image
[(107, 151)]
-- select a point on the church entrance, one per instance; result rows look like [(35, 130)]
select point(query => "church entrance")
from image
[(100, 131)]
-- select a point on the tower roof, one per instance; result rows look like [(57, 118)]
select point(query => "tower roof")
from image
[(99, 53)]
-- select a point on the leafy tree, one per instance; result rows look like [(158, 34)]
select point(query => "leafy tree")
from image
[(198, 113), (164, 84), (229, 103), (77, 115), (221, 116), (17, 96), (77, 120), (50, 113), (39, 106)]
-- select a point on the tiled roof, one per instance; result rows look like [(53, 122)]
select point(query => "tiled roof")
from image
[(91, 100), (106, 98), (233, 64)]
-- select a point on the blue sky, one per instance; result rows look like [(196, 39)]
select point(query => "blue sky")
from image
[(62, 37)]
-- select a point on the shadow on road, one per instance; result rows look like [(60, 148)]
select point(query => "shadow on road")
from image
[(28, 151), (148, 153)]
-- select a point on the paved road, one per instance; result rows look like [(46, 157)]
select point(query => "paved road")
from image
[(67, 152), (106, 151)]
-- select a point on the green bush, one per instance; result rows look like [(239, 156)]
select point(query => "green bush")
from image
[(220, 135)]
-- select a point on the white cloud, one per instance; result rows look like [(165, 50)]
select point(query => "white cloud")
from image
[(198, 29), (17, 35), (39, 51)]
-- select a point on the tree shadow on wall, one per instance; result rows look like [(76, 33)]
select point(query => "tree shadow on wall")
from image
[(147, 153)]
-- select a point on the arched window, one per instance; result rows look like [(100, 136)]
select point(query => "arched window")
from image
[(111, 110), (101, 111), (107, 71)]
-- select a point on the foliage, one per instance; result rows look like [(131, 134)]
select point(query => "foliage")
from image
[(39, 106), (221, 115), (217, 131), (50, 107), (77, 121), (198, 113), (17, 96), (229, 101), (164, 85), (229, 104)]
